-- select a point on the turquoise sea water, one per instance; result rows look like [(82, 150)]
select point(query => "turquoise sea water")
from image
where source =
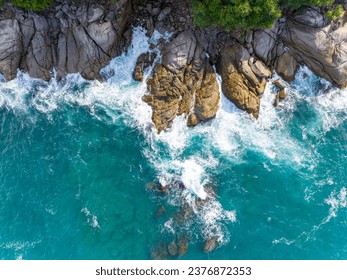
[(76, 157)]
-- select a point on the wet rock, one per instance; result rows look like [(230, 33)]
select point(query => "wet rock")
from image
[(278, 83), (210, 245), (161, 211), (172, 249), (282, 94), (276, 101), (163, 188), (243, 77), (192, 120), (138, 72)]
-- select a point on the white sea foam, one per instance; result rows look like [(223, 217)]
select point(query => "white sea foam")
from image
[(92, 220)]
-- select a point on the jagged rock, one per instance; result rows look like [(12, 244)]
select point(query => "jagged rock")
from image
[(70, 40), (184, 83), (138, 72), (210, 245), (321, 47), (10, 48), (243, 77), (95, 12), (172, 249), (264, 42)]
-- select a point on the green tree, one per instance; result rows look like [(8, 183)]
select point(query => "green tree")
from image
[(295, 4), (249, 14), (236, 13), (34, 5)]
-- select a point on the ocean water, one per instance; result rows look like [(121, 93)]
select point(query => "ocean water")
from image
[(78, 160)]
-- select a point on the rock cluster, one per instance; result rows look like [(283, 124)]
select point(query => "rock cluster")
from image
[(83, 38), (317, 44), (183, 83), (67, 37)]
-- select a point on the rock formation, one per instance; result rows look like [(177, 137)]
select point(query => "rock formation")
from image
[(84, 37), (184, 83), (67, 37), (317, 44), (243, 77)]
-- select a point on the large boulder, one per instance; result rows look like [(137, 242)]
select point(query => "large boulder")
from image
[(10, 47), (184, 83), (243, 77), (317, 44)]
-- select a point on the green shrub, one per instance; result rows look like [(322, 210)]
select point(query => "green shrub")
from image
[(235, 13), (250, 14), (34, 5), (335, 12), (295, 4)]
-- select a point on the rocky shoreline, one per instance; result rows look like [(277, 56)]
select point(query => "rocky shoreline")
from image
[(84, 37)]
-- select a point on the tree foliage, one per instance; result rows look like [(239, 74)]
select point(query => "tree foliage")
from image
[(34, 5), (295, 4), (236, 13), (246, 14)]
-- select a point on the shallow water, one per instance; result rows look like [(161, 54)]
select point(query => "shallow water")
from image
[(76, 156)]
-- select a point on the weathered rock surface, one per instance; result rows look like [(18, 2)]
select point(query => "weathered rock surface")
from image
[(243, 77), (184, 83), (317, 44), (68, 38), (10, 47)]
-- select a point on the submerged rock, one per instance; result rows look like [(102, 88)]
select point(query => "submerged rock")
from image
[(161, 211), (182, 246), (160, 252), (210, 245), (172, 249)]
